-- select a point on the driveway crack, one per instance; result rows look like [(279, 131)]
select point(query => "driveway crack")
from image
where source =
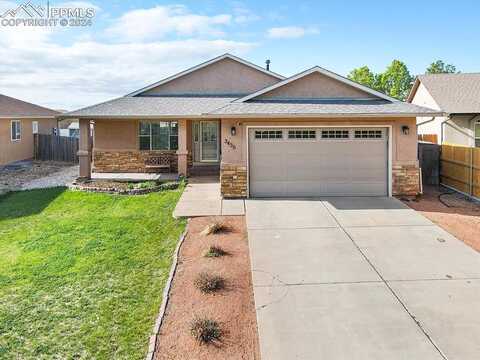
[(417, 322), (274, 278)]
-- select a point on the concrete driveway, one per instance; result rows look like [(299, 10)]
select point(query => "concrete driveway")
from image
[(360, 278)]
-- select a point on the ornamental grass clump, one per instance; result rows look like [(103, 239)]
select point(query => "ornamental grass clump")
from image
[(215, 228), (208, 283), (206, 331), (215, 251)]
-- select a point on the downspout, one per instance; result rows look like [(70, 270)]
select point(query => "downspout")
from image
[(441, 129)]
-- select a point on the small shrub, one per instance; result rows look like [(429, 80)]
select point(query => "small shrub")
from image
[(206, 331), (215, 251), (208, 283), (214, 228)]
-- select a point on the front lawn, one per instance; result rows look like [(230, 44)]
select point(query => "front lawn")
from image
[(81, 274)]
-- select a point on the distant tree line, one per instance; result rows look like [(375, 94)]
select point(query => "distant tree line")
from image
[(396, 80)]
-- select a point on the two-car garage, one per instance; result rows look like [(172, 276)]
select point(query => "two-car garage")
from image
[(318, 161)]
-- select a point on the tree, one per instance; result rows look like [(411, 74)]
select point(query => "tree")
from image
[(396, 81), (363, 75), (439, 67)]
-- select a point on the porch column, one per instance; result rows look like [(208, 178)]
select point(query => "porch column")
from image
[(84, 153), (182, 152)]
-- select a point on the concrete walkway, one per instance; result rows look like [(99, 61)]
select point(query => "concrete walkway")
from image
[(360, 278), (202, 198)]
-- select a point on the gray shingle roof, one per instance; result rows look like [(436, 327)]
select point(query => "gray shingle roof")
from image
[(325, 107), (454, 93), (217, 106), (153, 106), (11, 107)]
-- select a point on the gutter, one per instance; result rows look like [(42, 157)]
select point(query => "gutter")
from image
[(254, 116), (427, 121)]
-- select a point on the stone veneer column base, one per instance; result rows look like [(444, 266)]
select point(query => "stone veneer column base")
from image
[(129, 161), (406, 180), (233, 181)]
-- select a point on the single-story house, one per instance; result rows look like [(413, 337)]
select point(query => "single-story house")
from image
[(458, 96), (19, 120), (313, 134)]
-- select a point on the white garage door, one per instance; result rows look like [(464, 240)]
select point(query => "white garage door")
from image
[(290, 162)]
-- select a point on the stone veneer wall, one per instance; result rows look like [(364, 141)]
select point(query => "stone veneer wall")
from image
[(233, 180), (129, 161), (406, 180)]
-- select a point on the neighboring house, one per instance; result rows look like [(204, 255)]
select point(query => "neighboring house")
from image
[(19, 120), (72, 130), (313, 134), (458, 96)]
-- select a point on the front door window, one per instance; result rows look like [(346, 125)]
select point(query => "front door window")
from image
[(209, 140)]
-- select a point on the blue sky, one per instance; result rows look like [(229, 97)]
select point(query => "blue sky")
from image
[(133, 43)]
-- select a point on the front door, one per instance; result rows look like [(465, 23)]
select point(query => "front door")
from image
[(209, 141)]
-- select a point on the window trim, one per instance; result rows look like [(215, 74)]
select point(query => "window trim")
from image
[(139, 135), (19, 133)]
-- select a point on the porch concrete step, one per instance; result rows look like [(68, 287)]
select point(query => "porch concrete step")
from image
[(205, 170)]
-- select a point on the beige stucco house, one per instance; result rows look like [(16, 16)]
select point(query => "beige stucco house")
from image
[(458, 96), (19, 120), (312, 134)]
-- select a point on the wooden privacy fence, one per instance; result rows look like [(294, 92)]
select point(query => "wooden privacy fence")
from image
[(433, 138), (460, 168), (55, 148)]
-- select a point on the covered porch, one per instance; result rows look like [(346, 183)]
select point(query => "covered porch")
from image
[(120, 148)]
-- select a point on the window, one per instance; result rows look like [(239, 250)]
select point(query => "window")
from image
[(162, 135), (335, 134), (16, 130), (368, 134), (302, 134), (477, 134), (35, 127), (268, 134)]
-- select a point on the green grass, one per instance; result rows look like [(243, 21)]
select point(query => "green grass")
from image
[(81, 274)]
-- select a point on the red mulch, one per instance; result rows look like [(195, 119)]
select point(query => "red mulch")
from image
[(460, 218), (233, 308)]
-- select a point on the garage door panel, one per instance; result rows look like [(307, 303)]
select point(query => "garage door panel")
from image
[(318, 167)]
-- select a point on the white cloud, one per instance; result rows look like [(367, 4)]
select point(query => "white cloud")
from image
[(34, 66), (290, 32), (243, 15), (159, 21)]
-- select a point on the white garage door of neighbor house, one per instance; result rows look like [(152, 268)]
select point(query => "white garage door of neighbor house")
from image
[(296, 162)]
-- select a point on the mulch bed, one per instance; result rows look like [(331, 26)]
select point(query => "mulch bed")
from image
[(233, 307), (451, 211)]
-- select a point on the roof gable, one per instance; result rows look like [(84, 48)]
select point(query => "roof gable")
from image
[(224, 75), (316, 83)]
